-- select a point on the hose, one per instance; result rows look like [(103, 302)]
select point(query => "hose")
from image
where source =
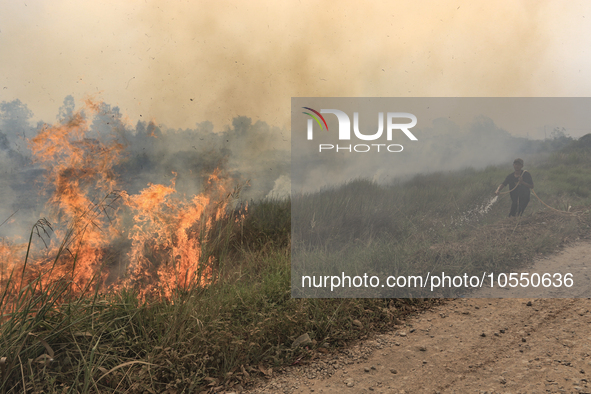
[(539, 199)]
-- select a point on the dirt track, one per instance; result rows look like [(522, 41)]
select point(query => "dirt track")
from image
[(469, 345)]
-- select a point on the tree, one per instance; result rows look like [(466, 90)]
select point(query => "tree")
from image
[(14, 119), (66, 111)]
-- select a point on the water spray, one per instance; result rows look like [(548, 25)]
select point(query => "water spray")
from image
[(475, 213)]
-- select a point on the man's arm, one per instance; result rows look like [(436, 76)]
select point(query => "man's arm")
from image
[(528, 181), (502, 185)]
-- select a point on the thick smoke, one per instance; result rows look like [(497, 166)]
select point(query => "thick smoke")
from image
[(251, 154), (452, 134), (248, 154), (18, 201), (184, 62)]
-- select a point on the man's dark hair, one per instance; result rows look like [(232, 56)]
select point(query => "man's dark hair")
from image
[(518, 161)]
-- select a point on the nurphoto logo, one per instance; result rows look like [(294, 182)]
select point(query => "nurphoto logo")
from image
[(345, 130)]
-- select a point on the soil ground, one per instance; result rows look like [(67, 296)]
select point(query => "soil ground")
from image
[(469, 345)]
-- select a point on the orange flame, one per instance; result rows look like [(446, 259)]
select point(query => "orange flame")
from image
[(168, 234)]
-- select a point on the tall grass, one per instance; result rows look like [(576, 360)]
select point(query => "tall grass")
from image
[(433, 223), (215, 335), (242, 324)]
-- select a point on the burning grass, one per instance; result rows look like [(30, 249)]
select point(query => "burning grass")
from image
[(237, 328), (102, 237), (202, 338), (152, 292)]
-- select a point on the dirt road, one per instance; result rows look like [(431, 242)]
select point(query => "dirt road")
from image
[(469, 345)]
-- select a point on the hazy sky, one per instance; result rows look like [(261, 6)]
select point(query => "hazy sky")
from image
[(183, 62)]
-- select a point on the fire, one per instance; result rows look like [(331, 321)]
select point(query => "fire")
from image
[(9, 253), (166, 236), (175, 233)]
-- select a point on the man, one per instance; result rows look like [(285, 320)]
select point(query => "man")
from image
[(520, 182)]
